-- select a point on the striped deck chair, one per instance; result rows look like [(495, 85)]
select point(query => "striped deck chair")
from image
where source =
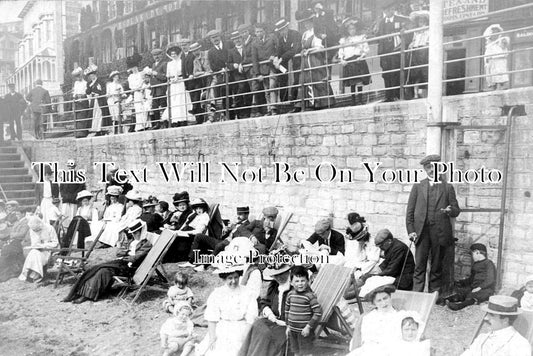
[(149, 267), (419, 302), (282, 220), (329, 286)]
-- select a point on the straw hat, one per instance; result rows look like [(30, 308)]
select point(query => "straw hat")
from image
[(225, 264), (375, 282), (280, 25), (114, 190), (134, 195), (113, 73), (91, 69), (199, 202), (84, 194), (502, 305)]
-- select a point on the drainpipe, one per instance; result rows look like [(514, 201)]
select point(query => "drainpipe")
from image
[(436, 65)]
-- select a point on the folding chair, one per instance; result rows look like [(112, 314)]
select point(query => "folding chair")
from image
[(523, 324), (215, 226), (329, 286), (282, 220), (74, 265), (149, 267), (419, 302)]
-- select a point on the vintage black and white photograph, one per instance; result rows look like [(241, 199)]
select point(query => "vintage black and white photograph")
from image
[(266, 177)]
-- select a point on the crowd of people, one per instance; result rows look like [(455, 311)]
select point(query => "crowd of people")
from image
[(242, 316)]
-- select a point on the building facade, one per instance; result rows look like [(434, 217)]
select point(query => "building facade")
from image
[(10, 35), (40, 52)]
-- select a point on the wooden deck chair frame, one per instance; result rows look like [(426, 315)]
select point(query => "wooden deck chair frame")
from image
[(151, 266), (329, 286), (419, 302), (523, 324), (75, 265), (214, 218), (280, 225)]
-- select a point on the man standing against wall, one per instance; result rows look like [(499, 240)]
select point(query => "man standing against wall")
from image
[(265, 49), (432, 204), (37, 97), (14, 107), (159, 86)]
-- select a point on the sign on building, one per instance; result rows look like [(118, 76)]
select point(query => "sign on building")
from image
[(464, 9)]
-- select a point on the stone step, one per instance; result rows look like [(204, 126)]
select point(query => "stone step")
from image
[(26, 201), (15, 179), (14, 171), (8, 149), (14, 194), (9, 157), (18, 185), (11, 164)]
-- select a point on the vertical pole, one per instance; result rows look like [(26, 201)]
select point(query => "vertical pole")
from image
[(402, 64), (226, 86), (436, 64), (302, 85)]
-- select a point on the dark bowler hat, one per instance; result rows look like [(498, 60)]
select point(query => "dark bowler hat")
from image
[(478, 247), (280, 25), (429, 159), (243, 210), (173, 47)]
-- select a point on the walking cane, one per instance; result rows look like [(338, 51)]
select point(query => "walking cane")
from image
[(404, 262)]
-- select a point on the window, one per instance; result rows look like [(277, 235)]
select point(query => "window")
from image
[(112, 9), (128, 6)]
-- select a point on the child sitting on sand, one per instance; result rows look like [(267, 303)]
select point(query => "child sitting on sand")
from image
[(179, 292), (177, 331)]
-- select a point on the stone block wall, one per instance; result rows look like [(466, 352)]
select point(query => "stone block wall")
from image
[(391, 133)]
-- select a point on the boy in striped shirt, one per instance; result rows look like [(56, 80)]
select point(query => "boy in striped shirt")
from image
[(302, 313)]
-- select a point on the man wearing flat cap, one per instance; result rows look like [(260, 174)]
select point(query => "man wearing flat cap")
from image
[(159, 86), (430, 207), (398, 260), (503, 339), (240, 90), (327, 238), (218, 57), (261, 232)]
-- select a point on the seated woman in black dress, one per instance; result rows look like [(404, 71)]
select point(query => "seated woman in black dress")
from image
[(96, 281), (267, 336)]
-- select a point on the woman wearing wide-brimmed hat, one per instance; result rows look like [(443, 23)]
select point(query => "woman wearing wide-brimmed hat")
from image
[(180, 103), (133, 212), (96, 282), (81, 105), (96, 91), (496, 54), (230, 313), (112, 213), (354, 66), (115, 93)]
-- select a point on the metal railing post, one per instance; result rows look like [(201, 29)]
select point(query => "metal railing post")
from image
[(402, 64), (302, 85), (169, 106), (226, 86)]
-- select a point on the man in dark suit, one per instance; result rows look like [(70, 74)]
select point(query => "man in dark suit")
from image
[(159, 86), (398, 260), (258, 99), (327, 238), (218, 61), (261, 232), (38, 96), (325, 27), (390, 23), (241, 89), (431, 205), (265, 49), (290, 44), (14, 107), (187, 71)]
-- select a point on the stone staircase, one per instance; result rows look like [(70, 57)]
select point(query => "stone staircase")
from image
[(16, 180)]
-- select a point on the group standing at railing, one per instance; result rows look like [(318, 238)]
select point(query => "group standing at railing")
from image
[(262, 73)]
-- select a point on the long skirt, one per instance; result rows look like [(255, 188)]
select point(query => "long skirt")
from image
[(96, 282), (418, 75), (180, 103), (264, 339), (358, 69), (35, 261), (230, 337), (46, 209), (97, 117), (141, 112), (316, 87), (81, 115), (494, 67), (110, 235)]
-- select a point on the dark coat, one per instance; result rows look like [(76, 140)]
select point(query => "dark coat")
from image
[(393, 263), (288, 49), (153, 221), (99, 89), (38, 96), (234, 57), (159, 90), (262, 50), (325, 24), (336, 242), (247, 57), (69, 191), (14, 105), (417, 211), (256, 229), (187, 69), (386, 45), (218, 59)]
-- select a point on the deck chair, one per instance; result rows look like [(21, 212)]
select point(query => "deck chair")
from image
[(282, 220), (419, 302), (523, 324), (329, 286), (74, 265), (215, 226), (151, 266)]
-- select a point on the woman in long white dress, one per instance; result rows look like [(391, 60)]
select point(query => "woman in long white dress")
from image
[(133, 211), (180, 103), (231, 310), (43, 237), (136, 82), (496, 54)]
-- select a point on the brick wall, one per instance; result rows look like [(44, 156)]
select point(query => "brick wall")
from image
[(392, 133)]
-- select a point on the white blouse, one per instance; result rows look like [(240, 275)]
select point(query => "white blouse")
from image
[(357, 49), (229, 304), (80, 87), (174, 69)]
